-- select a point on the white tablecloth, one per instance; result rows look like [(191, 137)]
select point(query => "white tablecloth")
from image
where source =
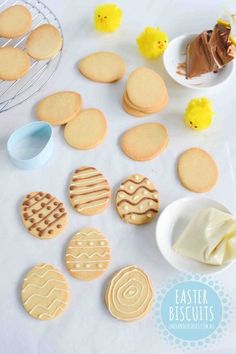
[(87, 327)]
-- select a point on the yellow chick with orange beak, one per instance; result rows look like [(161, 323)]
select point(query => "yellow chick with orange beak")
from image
[(199, 114), (152, 42), (107, 18)]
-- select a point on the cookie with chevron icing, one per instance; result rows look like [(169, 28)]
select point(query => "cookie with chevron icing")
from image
[(137, 200), (45, 292), (89, 191), (43, 215), (88, 254)]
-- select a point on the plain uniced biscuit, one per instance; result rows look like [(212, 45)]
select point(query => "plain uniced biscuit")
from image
[(87, 130), (129, 294), (59, 108), (15, 21), (45, 292), (102, 67), (145, 88), (137, 200), (14, 63), (89, 191), (44, 42), (145, 141), (88, 254), (197, 170)]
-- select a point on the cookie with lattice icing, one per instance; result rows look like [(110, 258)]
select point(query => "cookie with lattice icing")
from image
[(137, 200), (89, 191), (45, 292), (43, 215), (88, 254), (129, 295)]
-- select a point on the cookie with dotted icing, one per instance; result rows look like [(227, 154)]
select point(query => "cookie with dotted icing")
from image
[(43, 215), (129, 295), (45, 292), (137, 200), (89, 191), (88, 254)]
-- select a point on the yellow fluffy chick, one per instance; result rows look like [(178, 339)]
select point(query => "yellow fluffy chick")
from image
[(152, 42), (107, 17), (199, 114)]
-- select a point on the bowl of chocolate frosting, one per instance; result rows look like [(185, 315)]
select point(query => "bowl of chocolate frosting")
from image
[(201, 61)]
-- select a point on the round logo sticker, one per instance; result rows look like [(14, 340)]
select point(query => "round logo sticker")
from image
[(192, 311)]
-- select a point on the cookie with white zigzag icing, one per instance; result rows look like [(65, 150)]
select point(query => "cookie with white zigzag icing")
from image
[(88, 254), (137, 200), (89, 191), (45, 292)]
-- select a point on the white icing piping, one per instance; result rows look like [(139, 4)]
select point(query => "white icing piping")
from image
[(92, 206), (47, 308), (90, 188), (89, 255), (41, 287), (91, 181), (44, 296), (91, 196)]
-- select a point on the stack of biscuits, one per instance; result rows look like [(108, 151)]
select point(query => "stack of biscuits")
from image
[(145, 93)]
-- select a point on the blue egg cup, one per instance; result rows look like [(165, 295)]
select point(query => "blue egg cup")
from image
[(30, 146)]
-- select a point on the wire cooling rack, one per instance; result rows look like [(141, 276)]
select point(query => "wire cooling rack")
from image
[(12, 93)]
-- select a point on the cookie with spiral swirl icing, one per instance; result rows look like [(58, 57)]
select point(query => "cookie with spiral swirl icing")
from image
[(129, 295), (89, 191), (45, 292), (137, 200), (43, 215)]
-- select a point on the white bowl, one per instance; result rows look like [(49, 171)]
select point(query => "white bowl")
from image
[(172, 222), (175, 54)]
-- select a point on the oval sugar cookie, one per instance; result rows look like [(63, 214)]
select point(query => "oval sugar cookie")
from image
[(43, 215), (102, 67), (45, 292), (145, 141), (88, 254), (137, 200), (89, 191), (44, 42), (14, 63), (59, 108), (146, 89), (197, 170), (15, 21), (87, 130), (129, 295)]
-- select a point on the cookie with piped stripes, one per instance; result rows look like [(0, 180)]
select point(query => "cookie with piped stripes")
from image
[(88, 254), (137, 200), (43, 215), (89, 191)]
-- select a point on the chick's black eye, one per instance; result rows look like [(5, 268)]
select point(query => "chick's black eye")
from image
[(191, 122), (99, 15), (165, 41), (195, 126), (105, 17), (159, 42)]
